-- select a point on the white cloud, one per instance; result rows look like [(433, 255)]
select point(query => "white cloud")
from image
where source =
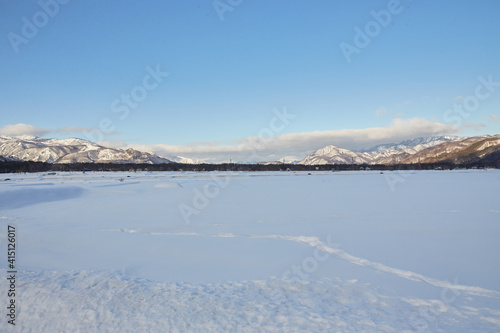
[(494, 117), (23, 129), (299, 145), (475, 126)]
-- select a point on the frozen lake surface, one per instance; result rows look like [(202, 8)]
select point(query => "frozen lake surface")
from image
[(415, 251)]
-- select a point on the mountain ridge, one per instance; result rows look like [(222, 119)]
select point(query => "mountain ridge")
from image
[(72, 150), (436, 149), (418, 150)]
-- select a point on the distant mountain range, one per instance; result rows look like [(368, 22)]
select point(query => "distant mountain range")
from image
[(32, 148), (421, 150)]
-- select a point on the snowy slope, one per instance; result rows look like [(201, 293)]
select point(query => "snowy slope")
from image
[(396, 153), (478, 146), (334, 155), (73, 150), (183, 160), (402, 152), (422, 141)]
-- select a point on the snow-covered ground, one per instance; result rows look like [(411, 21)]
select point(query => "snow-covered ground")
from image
[(252, 252)]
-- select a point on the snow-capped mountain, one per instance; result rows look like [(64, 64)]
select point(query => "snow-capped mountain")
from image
[(335, 155), (396, 153), (183, 160), (73, 150), (419, 150), (466, 150), (424, 141), (284, 161)]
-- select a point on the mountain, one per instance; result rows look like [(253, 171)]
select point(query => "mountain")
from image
[(183, 160), (73, 150), (457, 150), (335, 155), (420, 150), (468, 150), (396, 153), (282, 162)]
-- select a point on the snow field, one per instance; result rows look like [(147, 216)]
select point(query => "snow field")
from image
[(271, 251)]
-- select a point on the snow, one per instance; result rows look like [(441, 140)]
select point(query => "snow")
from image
[(488, 144), (246, 252), (30, 148), (334, 155), (382, 154)]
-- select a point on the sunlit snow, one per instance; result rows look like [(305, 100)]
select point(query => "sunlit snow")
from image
[(413, 251)]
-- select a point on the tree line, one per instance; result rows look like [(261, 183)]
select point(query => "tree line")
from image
[(28, 166)]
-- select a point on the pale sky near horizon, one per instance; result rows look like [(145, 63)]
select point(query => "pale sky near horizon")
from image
[(206, 79)]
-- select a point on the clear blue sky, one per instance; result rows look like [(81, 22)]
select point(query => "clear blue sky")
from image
[(226, 76)]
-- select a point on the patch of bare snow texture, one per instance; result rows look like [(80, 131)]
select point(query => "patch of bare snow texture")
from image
[(316, 243), (104, 301)]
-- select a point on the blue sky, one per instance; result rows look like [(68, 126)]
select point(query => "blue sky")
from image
[(234, 65)]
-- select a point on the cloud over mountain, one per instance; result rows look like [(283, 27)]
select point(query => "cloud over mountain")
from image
[(298, 145)]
